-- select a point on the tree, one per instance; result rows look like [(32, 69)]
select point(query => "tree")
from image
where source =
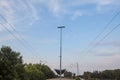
[(47, 71), (116, 74), (33, 73), (11, 64), (95, 74), (87, 75), (108, 74), (38, 72), (105, 75)]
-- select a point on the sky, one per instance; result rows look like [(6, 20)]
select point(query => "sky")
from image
[(90, 37)]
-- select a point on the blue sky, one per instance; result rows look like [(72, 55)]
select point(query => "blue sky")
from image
[(35, 22)]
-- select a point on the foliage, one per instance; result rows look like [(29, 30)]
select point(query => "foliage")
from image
[(11, 65), (38, 72), (47, 71), (12, 68), (87, 75), (33, 73), (106, 74)]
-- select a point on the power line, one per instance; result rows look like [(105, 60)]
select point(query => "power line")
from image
[(105, 36), (10, 25), (21, 40), (12, 28), (108, 33), (13, 34), (89, 47), (107, 25)]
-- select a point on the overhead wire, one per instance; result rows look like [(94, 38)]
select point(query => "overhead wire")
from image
[(89, 47), (104, 37), (13, 34), (105, 27), (21, 40), (108, 33), (10, 25)]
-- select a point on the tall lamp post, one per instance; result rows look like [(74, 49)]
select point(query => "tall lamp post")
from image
[(61, 27)]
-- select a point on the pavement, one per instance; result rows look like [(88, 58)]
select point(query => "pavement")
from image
[(61, 79)]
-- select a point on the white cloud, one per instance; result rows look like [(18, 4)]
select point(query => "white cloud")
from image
[(76, 15), (15, 11), (26, 9), (5, 12), (100, 6), (32, 8), (53, 6)]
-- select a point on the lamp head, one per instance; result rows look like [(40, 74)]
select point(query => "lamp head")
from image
[(61, 27)]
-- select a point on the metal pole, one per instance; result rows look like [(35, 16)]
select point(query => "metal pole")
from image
[(77, 69), (61, 50)]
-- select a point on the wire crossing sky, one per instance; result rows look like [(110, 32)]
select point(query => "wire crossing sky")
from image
[(91, 37)]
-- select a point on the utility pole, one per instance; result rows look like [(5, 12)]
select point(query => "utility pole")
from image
[(61, 27), (77, 69)]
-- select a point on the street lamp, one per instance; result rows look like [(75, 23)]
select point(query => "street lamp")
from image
[(61, 27)]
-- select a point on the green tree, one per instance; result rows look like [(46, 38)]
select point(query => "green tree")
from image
[(87, 75), (95, 74), (11, 64), (116, 74), (38, 72), (108, 74), (33, 73), (47, 71)]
